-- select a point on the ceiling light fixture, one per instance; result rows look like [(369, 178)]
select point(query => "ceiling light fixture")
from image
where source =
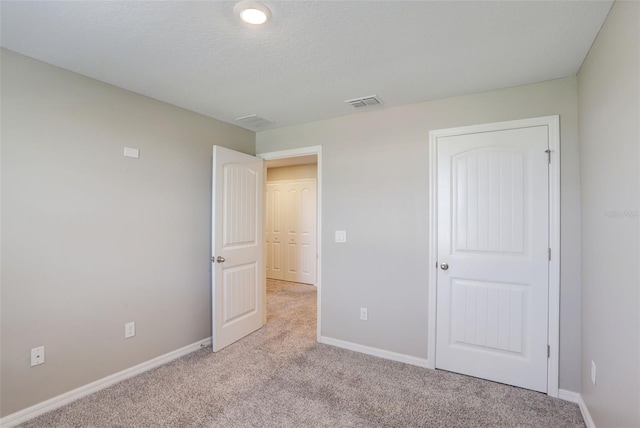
[(252, 12)]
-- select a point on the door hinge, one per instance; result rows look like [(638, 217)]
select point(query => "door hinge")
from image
[(548, 351), (548, 152), (549, 254)]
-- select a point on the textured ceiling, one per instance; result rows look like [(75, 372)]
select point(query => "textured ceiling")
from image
[(312, 55)]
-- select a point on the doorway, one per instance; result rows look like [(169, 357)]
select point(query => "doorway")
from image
[(290, 224), (290, 158), (494, 267)]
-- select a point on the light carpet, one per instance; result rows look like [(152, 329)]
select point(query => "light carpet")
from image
[(280, 377)]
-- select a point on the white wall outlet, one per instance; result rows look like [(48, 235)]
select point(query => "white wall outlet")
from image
[(363, 314), (131, 153), (593, 372), (129, 330), (341, 236), (37, 356)]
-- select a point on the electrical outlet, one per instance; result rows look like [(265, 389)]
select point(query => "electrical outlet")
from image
[(129, 330), (37, 356), (363, 314), (593, 372), (341, 236)]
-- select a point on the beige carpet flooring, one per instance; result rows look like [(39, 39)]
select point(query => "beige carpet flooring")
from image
[(280, 377)]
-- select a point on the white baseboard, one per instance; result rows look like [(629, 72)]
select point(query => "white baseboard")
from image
[(571, 396), (376, 352), (585, 414), (574, 397), (75, 394)]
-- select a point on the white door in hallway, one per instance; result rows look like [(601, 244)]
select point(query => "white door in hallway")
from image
[(301, 232), (275, 220), (295, 247), (493, 255), (237, 246)]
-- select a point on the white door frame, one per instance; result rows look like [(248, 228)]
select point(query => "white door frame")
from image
[(305, 151), (553, 125)]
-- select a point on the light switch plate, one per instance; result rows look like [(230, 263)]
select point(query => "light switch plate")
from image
[(341, 236), (131, 153)]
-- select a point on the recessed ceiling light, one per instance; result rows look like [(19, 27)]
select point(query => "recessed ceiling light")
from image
[(252, 12)]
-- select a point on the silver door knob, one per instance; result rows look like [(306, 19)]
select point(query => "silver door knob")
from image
[(444, 266), (220, 259)]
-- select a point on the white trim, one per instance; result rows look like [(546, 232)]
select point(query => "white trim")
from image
[(574, 397), (433, 249), (376, 352), (570, 396), (304, 151), (88, 389), (291, 153), (553, 124), (588, 420)]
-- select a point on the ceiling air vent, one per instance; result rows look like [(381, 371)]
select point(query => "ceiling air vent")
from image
[(254, 121), (371, 100)]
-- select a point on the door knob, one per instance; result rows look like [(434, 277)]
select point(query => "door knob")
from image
[(220, 259), (444, 266)]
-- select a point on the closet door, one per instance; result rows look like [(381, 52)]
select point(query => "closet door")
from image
[(493, 253), (300, 264), (274, 231)]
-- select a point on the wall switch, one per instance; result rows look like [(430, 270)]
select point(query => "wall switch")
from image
[(131, 153), (363, 314), (341, 236), (593, 372), (37, 356), (129, 330)]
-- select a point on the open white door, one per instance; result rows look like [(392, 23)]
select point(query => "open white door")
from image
[(237, 246)]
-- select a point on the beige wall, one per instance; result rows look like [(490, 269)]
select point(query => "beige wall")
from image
[(91, 239), (609, 106), (375, 187), (295, 172)]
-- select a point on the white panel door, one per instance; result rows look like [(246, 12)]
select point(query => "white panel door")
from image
[(274, 231), (291, 256), (307, 233), (493, 255), (237, 246), (301, 232), (291, 230)]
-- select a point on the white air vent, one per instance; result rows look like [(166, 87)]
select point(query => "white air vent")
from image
[(371, 100), (254, 121)]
